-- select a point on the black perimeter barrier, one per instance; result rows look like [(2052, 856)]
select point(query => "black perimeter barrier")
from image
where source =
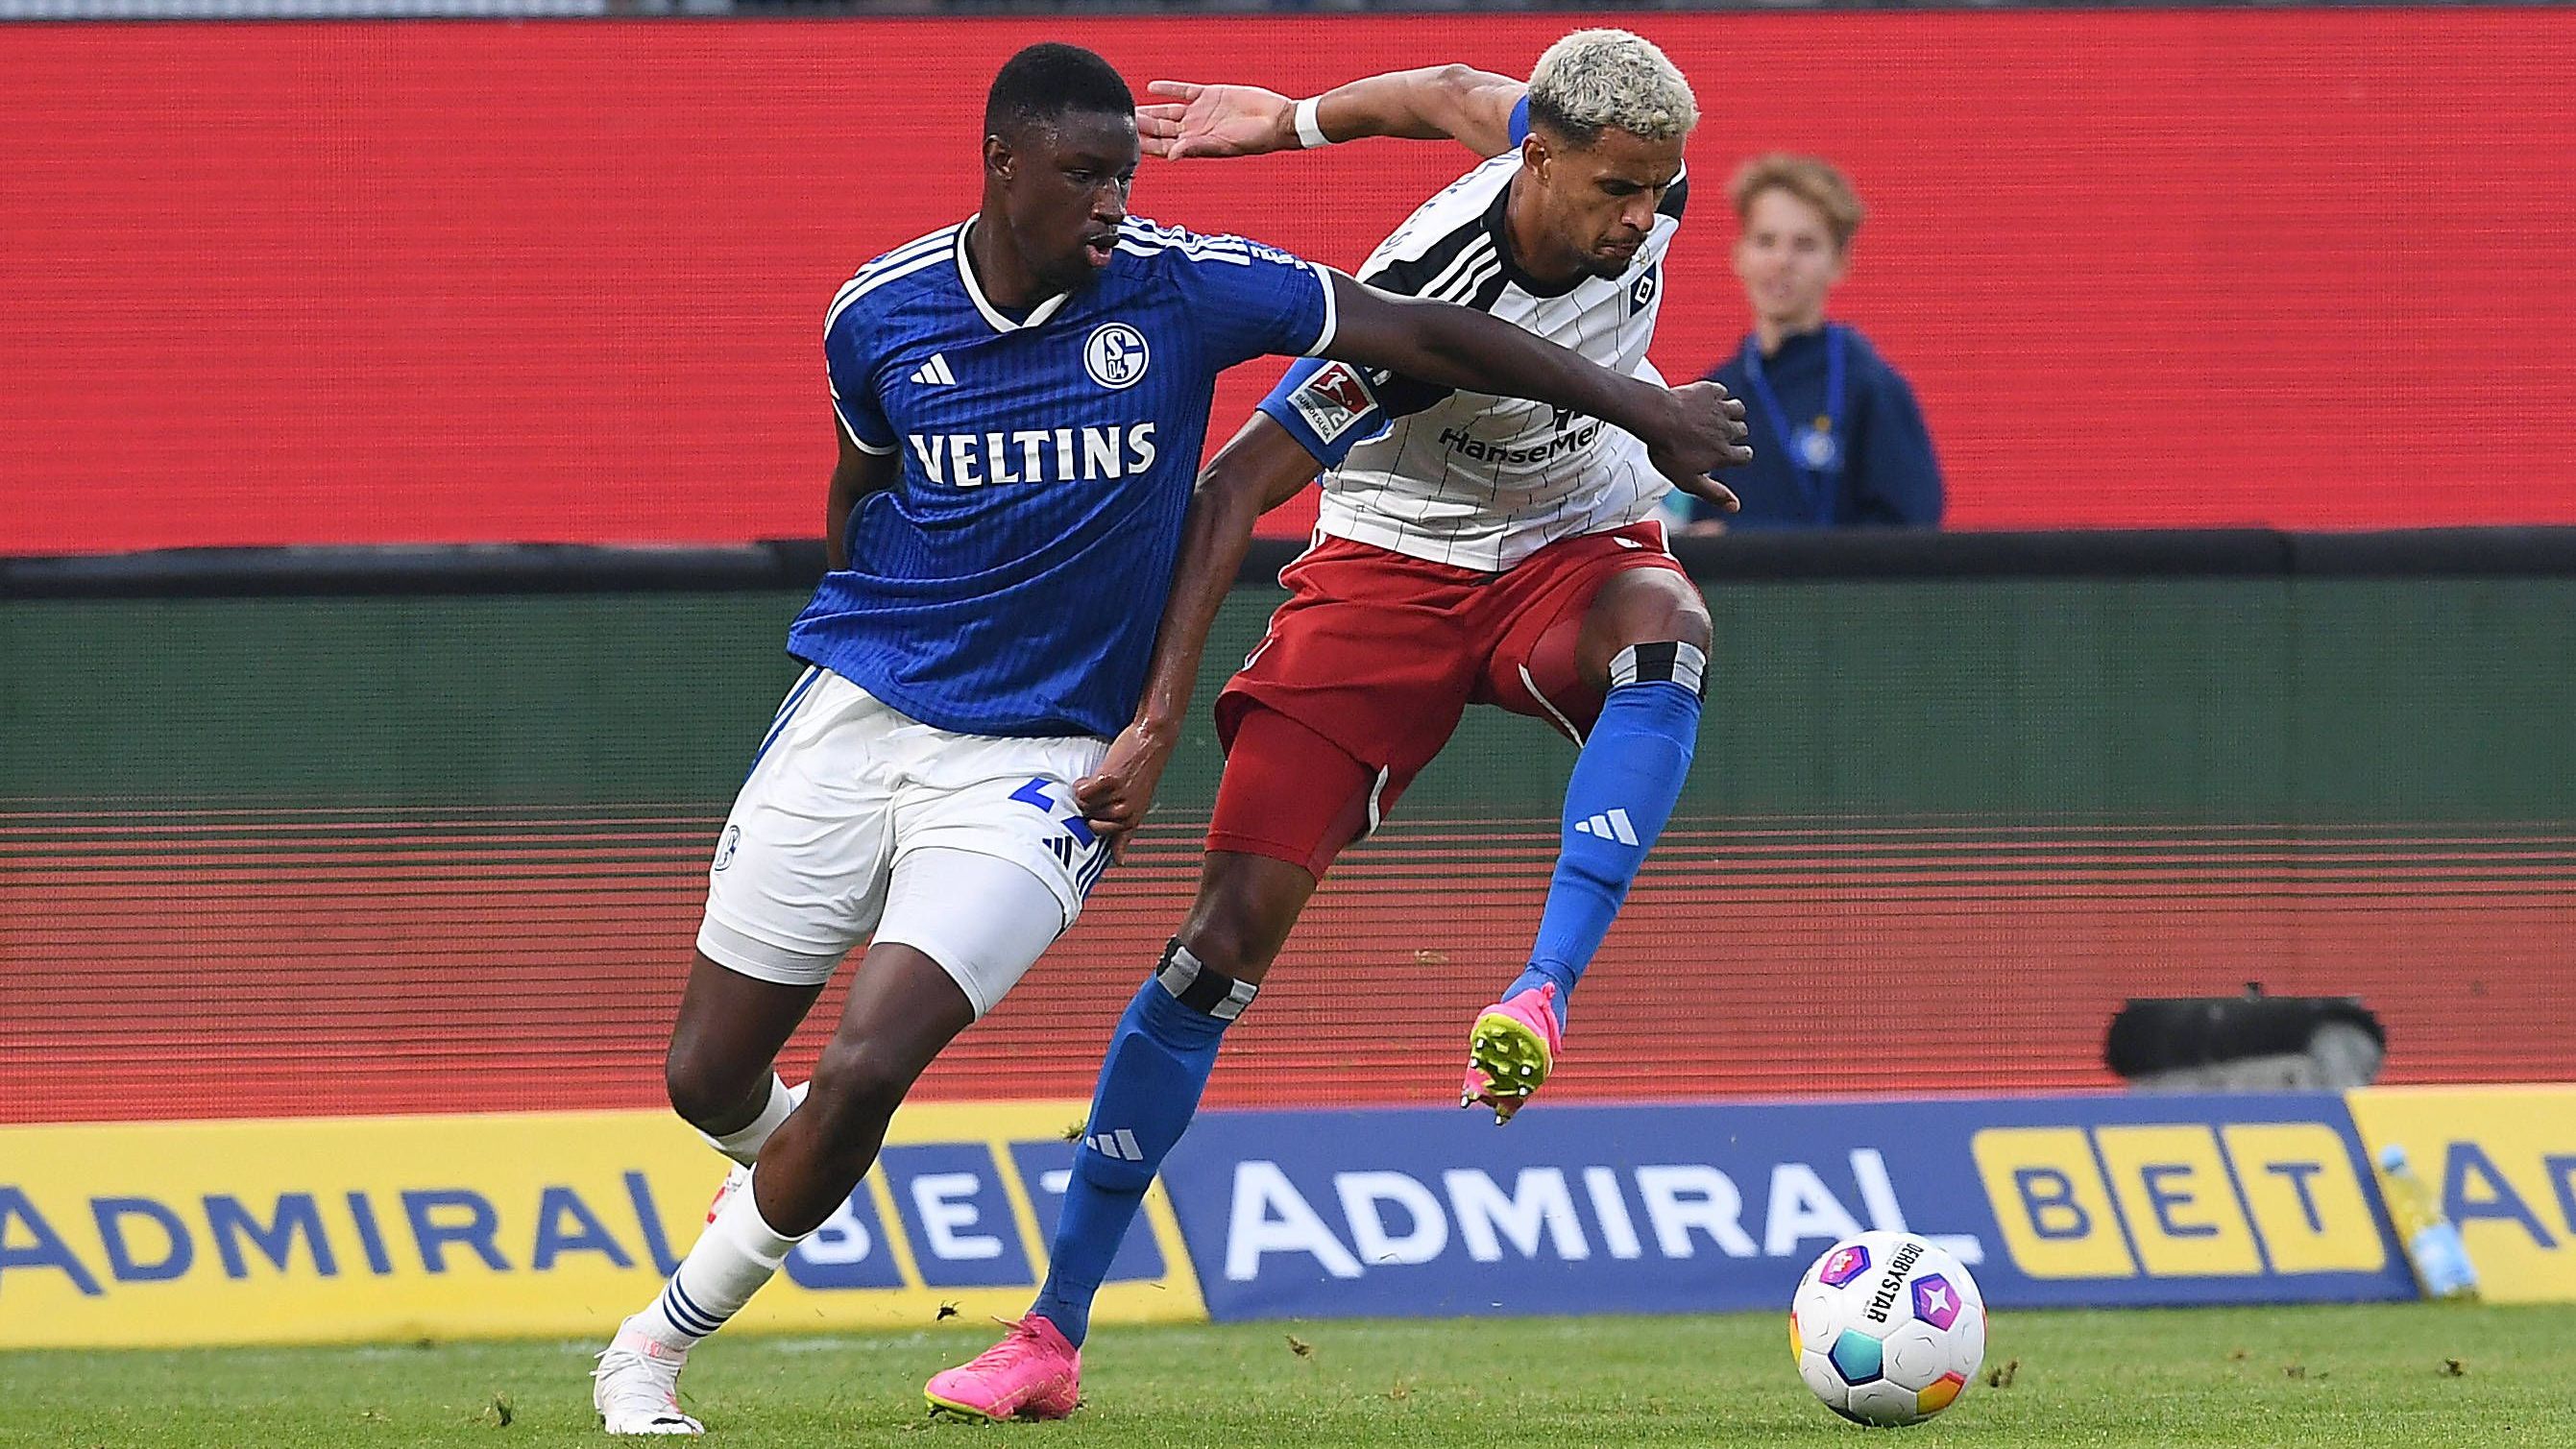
[(794, 564)]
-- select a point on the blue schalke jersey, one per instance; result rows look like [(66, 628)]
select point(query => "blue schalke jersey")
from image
[(1012, 580)]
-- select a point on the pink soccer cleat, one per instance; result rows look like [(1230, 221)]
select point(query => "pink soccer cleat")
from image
[(1031, 1374), (1511, 1050)]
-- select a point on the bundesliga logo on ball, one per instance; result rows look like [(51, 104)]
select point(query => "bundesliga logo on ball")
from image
[(1888, 1329)]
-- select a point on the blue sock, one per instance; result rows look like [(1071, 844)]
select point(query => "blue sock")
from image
[(1624, 787), (1158, 1063)]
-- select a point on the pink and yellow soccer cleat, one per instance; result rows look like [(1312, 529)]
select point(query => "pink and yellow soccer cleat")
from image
[(1031, 1374), (1511, 1050)]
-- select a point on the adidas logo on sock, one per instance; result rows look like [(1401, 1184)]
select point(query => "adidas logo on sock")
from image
[(935, 372), (1612, 826), (1120, 1144)]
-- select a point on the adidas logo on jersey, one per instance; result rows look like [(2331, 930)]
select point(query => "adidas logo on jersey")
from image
[(935, 373), (1120, 1144), (1611, 826)]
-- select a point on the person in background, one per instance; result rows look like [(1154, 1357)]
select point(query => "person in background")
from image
[(1838, 441)]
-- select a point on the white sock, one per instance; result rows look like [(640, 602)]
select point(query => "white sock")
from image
[(743, 1144), (737, 1253)]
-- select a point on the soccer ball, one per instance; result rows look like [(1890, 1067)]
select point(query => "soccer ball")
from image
[(1888, 1329)]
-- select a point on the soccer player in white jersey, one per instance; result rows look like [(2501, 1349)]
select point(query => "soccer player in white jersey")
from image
[(1474, 549), (1021, 401)]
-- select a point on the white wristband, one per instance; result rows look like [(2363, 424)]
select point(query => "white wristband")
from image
[(1310, 132)]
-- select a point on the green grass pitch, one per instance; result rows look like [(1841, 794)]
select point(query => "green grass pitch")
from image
[(2410, 1375)]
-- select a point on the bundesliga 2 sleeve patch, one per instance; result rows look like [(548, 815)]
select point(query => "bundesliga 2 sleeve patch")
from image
[(1333, 400)]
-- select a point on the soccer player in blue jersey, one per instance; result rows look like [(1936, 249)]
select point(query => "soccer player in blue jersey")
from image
[(1021, 402)]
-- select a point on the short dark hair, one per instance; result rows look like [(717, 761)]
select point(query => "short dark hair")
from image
[(1050, 80)]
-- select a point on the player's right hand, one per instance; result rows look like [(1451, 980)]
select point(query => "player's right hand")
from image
[(1114, 798), (1219, 120), (1706, 432)]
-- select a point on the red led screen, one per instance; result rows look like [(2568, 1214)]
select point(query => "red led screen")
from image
[(371, 283)]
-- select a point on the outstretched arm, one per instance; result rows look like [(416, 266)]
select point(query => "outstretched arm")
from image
[(1689, 431), (1452, 102), (1262, 468)]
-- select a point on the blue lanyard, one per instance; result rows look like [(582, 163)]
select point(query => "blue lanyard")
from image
[(1814, 452)]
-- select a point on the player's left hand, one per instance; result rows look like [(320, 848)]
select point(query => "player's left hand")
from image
[(1222, 120), (1114, 798)]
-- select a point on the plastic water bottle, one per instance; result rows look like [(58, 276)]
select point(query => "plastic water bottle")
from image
[(2432, 1240)]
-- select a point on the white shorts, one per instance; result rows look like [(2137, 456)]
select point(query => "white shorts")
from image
[(846, 793)]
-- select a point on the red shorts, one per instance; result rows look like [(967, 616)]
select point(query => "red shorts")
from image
[(1368, 667)]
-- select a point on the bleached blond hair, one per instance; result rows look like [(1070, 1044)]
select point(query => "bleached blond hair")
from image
[(1594, 80)]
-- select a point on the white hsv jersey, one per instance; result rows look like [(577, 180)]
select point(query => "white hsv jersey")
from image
[(1467, 478)]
